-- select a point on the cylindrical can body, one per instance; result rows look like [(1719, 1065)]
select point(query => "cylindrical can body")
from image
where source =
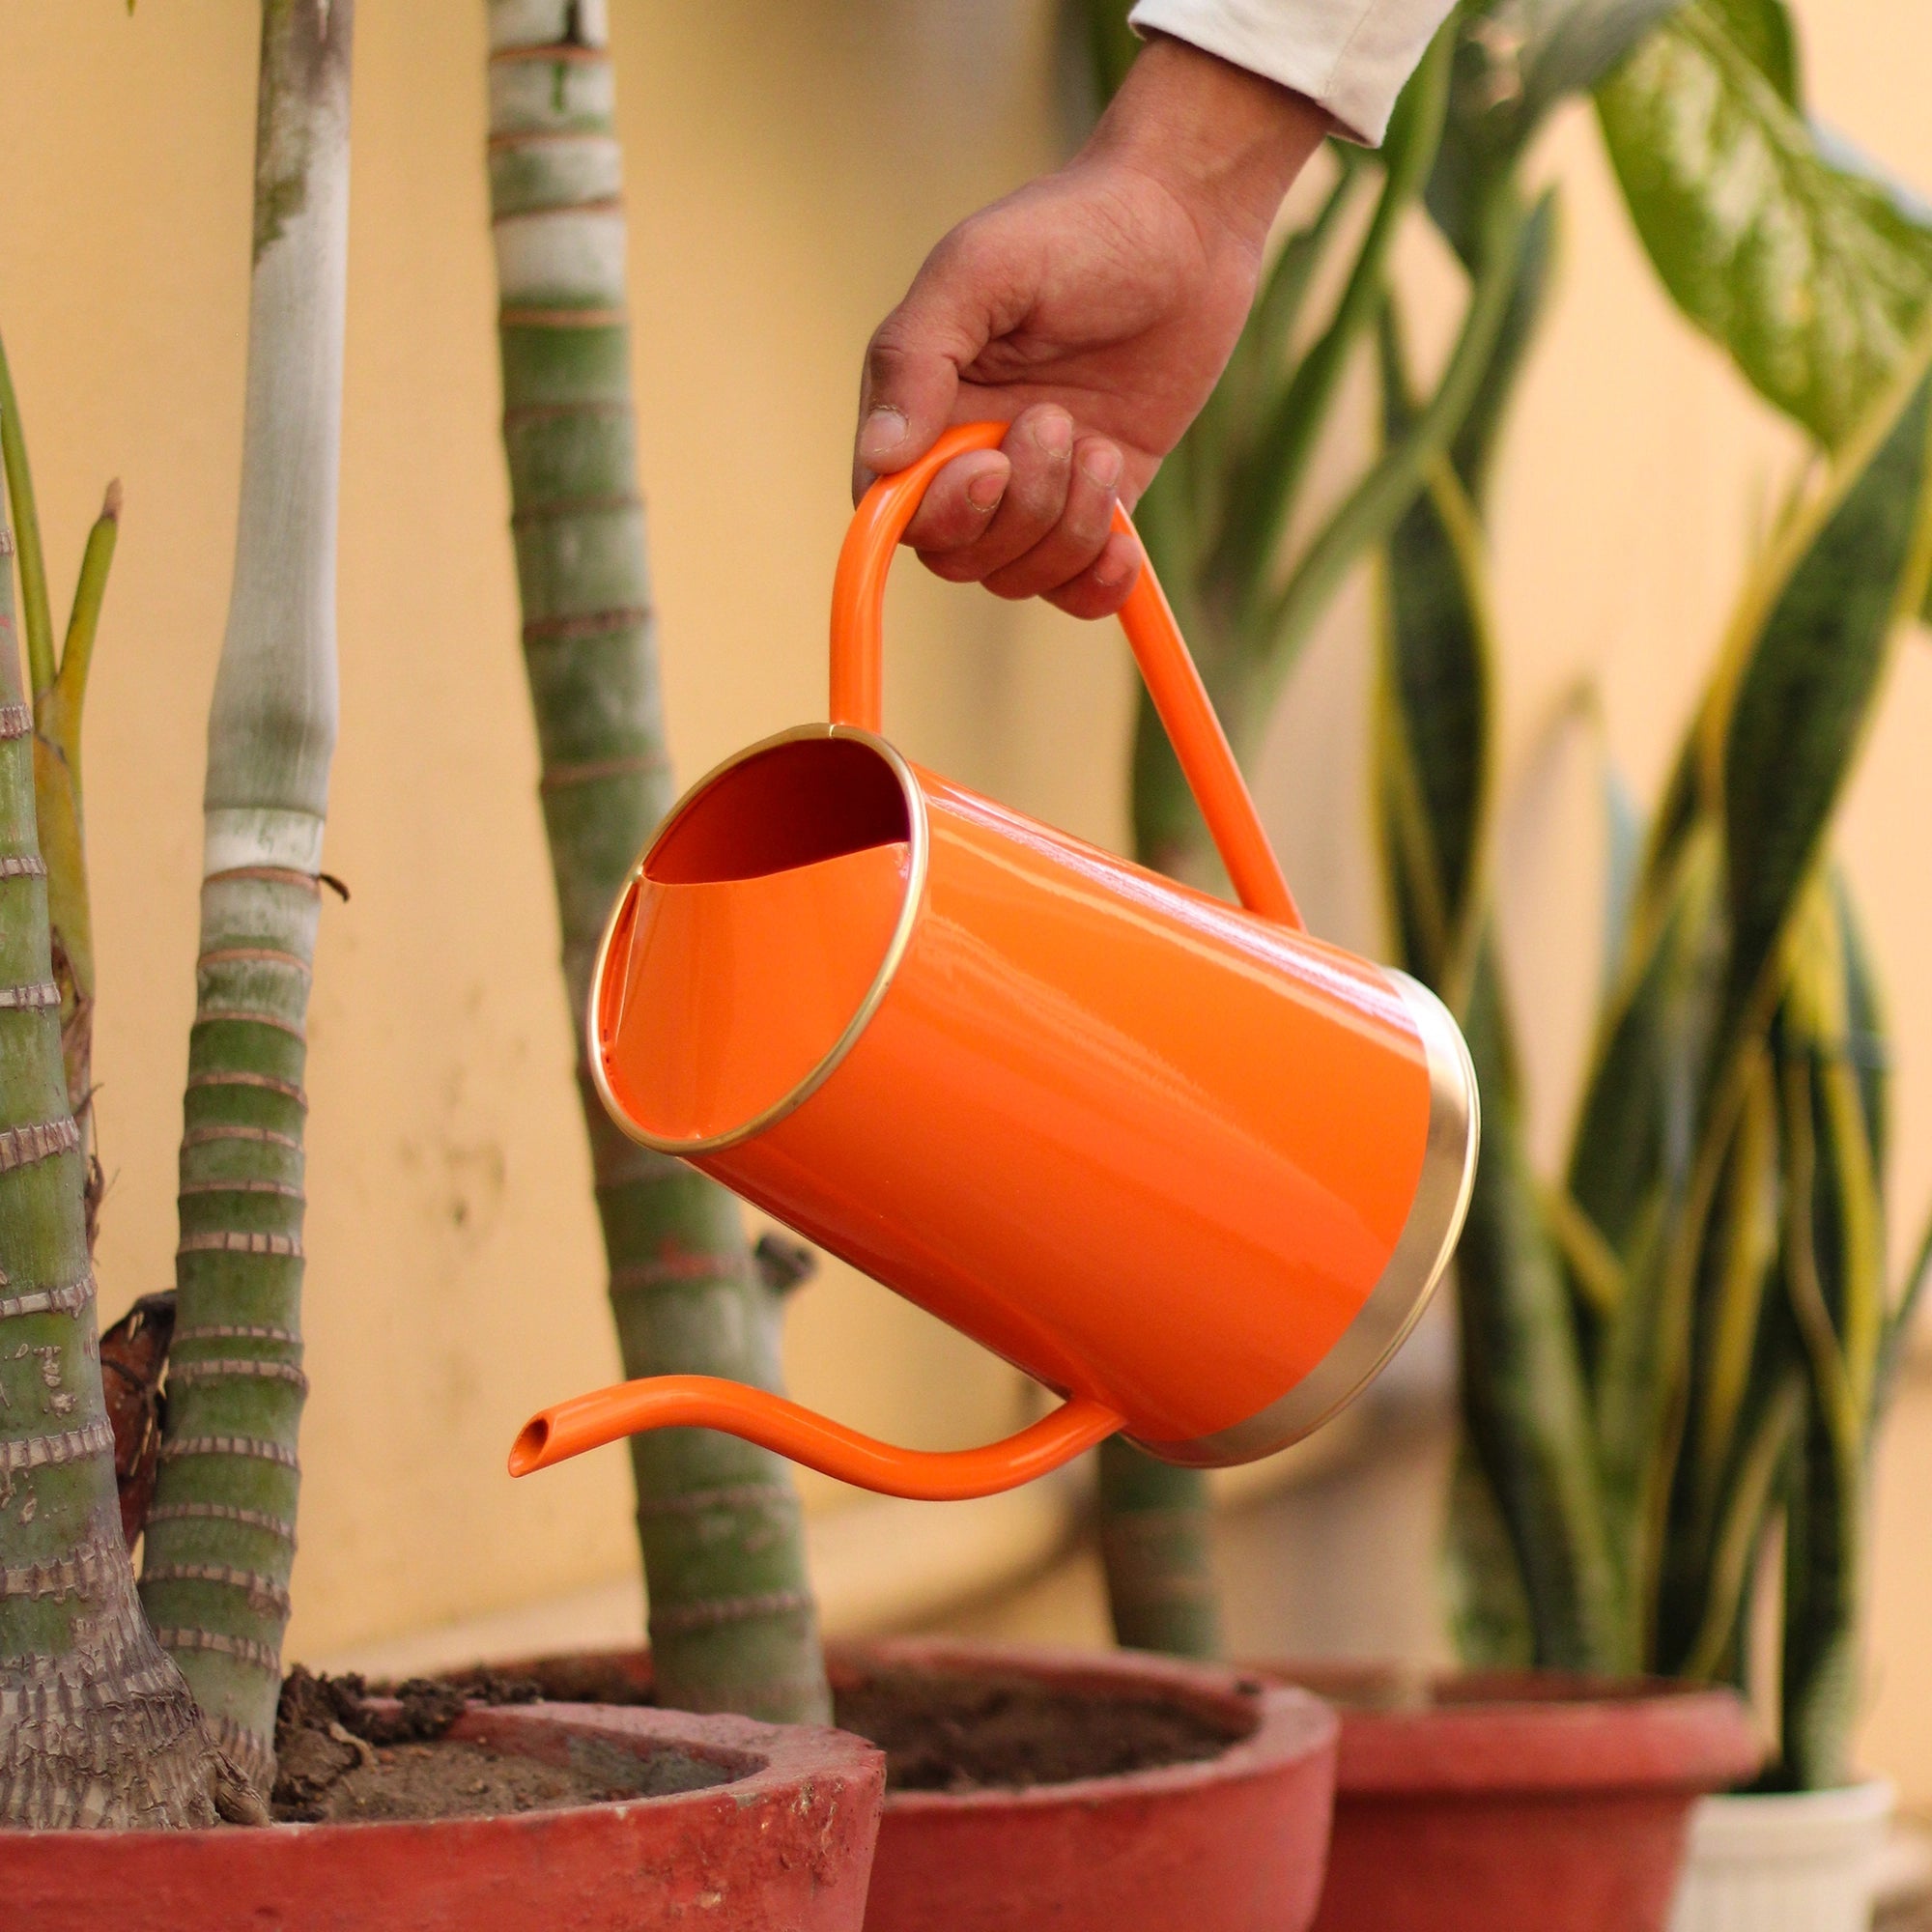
[(1152, 1148)]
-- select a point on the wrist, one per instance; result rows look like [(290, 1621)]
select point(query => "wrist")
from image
[(1227, 142)]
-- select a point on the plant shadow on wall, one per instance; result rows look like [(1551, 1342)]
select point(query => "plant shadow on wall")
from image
[(1681, 1346)]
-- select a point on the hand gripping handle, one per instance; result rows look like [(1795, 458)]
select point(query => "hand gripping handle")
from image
[(857, 637), (858, 651)]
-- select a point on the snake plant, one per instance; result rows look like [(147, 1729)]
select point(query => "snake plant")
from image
[(1216, 517), (1678, 1347)]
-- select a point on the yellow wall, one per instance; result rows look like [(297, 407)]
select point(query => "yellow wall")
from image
[(787, 167)]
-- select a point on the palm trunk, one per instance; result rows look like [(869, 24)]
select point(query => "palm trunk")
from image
[(733, 1621), (96, 1725), (221, 1538)]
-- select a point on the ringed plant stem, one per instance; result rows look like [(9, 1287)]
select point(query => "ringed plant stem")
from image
[(96, 1725), (221, 1541), (733, 1626)]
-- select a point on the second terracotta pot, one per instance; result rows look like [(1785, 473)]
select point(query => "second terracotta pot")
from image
[(1527, 1802), (1234, 1842)]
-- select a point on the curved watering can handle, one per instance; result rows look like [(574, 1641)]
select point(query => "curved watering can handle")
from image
[(858, 651)]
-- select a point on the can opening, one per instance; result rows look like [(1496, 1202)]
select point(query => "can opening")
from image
[(753, 948), (795, 804)]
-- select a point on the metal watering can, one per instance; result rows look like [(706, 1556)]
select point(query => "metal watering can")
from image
[(1190, 1168)]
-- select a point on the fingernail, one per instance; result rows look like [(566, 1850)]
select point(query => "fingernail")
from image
[(1054, 433), (1113, 568), (1102, 468), (985, 491), (884, 431)]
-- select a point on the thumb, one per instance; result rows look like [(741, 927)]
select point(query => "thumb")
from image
[(911, 380)]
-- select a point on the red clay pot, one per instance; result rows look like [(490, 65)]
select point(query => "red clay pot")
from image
[(784, 1846), (1523, 1802), (1234, 1844)]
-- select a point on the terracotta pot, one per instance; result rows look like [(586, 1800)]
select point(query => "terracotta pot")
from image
[(1232, 1844), (782, 1843), (1517, 1803)]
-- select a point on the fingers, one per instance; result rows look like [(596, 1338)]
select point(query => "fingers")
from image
[(911, 378), (1032, 519), (1102, 587)]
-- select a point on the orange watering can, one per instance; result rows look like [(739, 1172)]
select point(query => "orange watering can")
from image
[(1192, 1169)]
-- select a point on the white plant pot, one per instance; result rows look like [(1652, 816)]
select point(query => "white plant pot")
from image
[(1801, 1861)]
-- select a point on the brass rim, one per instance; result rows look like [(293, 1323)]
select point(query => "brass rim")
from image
[(920, 842), (1419, 1261)]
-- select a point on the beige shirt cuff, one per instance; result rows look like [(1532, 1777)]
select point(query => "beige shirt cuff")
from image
[(1351, 57)]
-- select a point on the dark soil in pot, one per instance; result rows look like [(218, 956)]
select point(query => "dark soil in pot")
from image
[(719, 1821), (940, 1731), (1110, 1792), (1517, 1801), (343, 1758)]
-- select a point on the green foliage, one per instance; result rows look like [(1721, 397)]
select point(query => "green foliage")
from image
[(1684, 1342), (1808, 268)]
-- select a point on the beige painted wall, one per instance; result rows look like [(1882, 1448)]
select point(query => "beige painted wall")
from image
[(787, 167)]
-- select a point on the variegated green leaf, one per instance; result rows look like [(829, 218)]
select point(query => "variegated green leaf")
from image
[(1764, 32), (1515, 61), (1805, 692), (1811, 275)]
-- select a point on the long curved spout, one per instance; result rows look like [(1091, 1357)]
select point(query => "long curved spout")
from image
[(706, 1402)]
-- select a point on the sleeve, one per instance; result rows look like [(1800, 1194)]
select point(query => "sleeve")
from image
[(1348, 56)]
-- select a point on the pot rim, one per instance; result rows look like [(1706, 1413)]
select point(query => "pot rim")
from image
[(779, 1755), (1560, 1732)]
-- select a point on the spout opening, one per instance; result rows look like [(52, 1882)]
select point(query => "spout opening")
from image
[(527, 1452)]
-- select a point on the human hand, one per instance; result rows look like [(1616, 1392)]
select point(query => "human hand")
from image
[(1093, 310)]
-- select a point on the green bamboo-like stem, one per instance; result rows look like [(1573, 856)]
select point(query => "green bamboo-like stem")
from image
[(1156, 1530), (221, 1541), (733, 1626), (96, 1725)]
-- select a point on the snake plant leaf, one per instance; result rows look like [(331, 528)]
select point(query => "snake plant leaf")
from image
[(1631, 1145), (1474, 451), (1263, 488), (1438, 658), (1805, 692), (1515, 61), (1526, 1406), (1898, 1330), (1437, 676), (1865, 1032), (1742, 1366), (1833, 1270), (1813, 275), (1822, 1607), (1488, 1607), (1182, 515), (1623, 827)]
